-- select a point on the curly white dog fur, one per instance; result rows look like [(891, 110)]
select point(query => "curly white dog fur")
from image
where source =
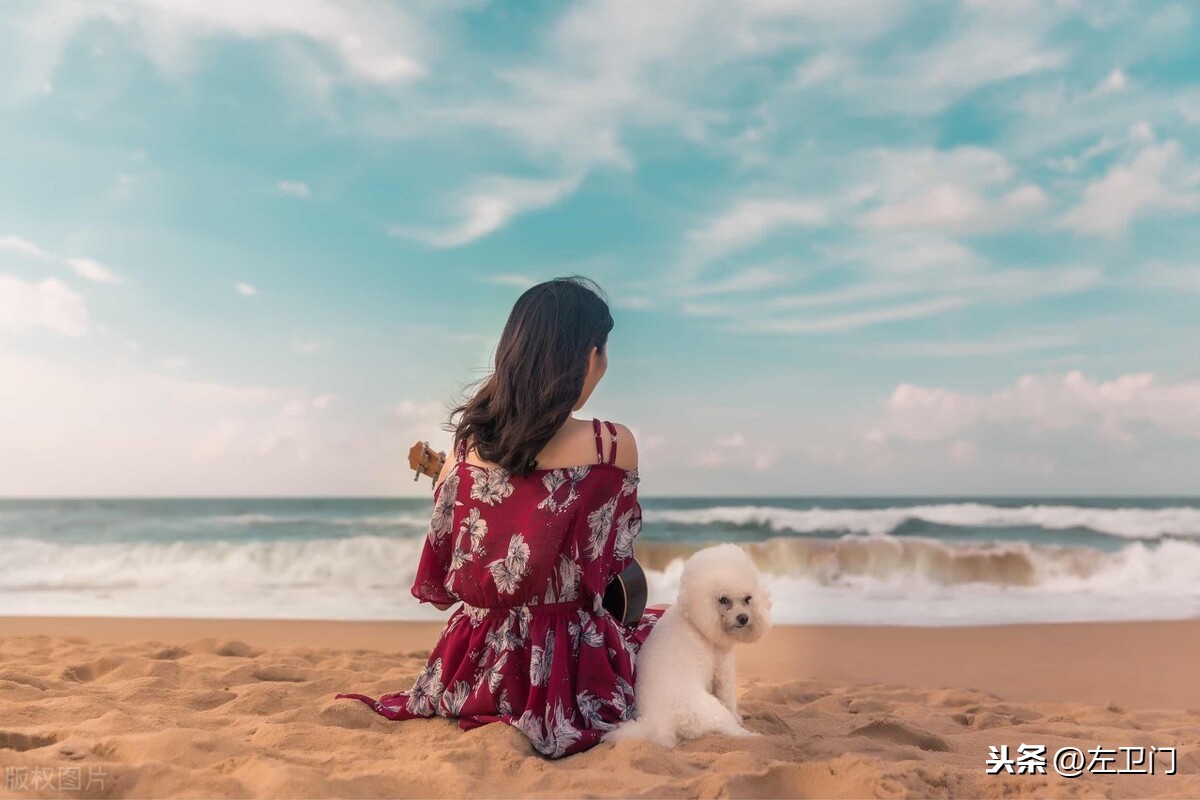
[(686, 683)]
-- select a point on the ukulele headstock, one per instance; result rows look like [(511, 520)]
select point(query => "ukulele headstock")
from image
[(424, 460)]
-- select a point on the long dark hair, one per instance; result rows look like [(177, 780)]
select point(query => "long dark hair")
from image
[(541, 364)]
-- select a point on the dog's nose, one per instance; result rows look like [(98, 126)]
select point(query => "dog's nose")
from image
[(742, 619)]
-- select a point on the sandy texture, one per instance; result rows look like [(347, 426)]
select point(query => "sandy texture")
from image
[(245, 708)]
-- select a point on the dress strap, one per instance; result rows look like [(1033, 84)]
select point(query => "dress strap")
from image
[(612, 430), (599, 444), (460, 450)]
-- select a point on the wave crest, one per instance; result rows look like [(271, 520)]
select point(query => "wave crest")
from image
[(1132, 523)]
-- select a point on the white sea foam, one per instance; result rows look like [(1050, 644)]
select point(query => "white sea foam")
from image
[(1132, 523), (856, 579), (264, 520), (1128, 522)]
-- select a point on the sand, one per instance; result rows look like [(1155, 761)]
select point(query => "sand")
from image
[(244, 708)]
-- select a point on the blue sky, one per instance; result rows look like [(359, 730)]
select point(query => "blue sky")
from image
[(865, 248)]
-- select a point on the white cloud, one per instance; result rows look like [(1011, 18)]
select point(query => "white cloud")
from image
[(952, 207), (978, 348), (962, 453), (245, 289), (845, 295), (632, 302), (733, 440), (820, 68), (490, 205), (985, 45), (91, 429), (746, 280), (23, 246), (750, 221), (1116, 81), (606, 64), (966, 189), (86, 268), (1113, 410), (1127, 191), (1098, 149), (987, 52), (92, 270), (906, 254), (508, 279), (1010, 285), (891, 279), (609, 65), (1142, 132), (48, 304), (414, 410), (422, 422), (373, 43), (1177, 277), (853, 320), (294, 188)]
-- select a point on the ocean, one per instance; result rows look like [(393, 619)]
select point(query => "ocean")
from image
[(913, 561)]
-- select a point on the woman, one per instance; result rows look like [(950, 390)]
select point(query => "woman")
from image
[(532, 518)]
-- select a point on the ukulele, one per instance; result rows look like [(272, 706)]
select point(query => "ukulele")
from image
[(625, 595)]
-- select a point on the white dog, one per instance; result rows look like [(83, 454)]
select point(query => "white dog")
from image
[(685, 681)]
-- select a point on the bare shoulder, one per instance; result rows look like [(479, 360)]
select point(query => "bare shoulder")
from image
[(627, 452)]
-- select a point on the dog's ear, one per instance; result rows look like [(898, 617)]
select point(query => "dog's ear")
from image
[(695, 606), (765, 592)]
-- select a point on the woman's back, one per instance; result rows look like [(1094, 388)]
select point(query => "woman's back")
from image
[(510, 540), (529, 556)]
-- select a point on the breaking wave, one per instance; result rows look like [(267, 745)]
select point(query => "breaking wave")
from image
[(367, 563), (1130, 523)]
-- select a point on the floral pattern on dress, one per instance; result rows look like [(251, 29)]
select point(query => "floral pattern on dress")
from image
[(540, 661), (427, 690), (529, 643), (630, 483), (564, 583), (508, 571), (553, 738), (453, 701), (600, 527), (471, 533), (489, 484), (442, 521), (628, 527), (552, 481)]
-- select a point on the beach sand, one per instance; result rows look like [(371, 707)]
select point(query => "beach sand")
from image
[(245, 708)]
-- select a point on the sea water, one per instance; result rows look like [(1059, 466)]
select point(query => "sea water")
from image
[(915, 561)]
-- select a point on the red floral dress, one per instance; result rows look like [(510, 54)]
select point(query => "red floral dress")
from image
[(529, 557)]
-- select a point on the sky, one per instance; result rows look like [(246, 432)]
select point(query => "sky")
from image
[(866, 248)]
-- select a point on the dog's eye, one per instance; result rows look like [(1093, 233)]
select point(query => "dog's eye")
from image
[(725, 601), (748, 599)]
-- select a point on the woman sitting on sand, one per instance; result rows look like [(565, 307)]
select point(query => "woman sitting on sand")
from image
[(532, 518)]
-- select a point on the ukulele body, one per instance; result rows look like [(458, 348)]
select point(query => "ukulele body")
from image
[(625, 595)]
